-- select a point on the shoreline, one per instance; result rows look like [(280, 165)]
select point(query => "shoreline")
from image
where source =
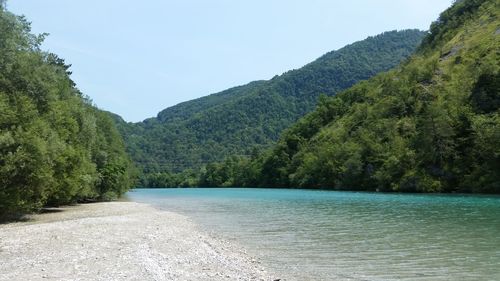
[(119, 241)]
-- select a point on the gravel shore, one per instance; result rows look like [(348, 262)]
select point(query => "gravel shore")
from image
[(118, 241)]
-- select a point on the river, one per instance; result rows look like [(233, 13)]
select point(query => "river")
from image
[(330, 235)]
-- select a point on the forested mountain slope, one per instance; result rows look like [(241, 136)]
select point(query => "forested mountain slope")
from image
[(238, 120), (55, 147), (431, 125)]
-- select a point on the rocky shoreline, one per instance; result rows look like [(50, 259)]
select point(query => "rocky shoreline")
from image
[(119, 241)]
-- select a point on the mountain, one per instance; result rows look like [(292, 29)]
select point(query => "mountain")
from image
[(55, 147), (245, 119), (430, 125)]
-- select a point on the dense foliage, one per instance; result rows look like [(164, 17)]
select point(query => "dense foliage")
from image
[(240, 120), (431, 125), (55, 147)]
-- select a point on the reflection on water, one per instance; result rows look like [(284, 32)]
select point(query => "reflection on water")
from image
[(325, 235)]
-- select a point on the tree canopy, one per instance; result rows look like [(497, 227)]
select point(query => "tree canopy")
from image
[(55, 146)]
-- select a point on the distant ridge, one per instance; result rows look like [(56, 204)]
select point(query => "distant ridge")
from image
[(247, 118)]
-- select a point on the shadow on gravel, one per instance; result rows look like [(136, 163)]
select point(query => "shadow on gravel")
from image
[(50, 210), (14, 218)]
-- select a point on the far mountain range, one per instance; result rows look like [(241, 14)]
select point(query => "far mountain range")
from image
[(247, 119)]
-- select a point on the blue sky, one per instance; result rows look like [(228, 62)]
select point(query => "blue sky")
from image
[(135, 58)]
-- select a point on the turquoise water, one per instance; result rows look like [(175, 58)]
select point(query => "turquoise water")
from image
[(329, 235)]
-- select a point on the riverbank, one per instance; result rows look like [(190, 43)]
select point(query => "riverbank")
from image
[(119, 241)]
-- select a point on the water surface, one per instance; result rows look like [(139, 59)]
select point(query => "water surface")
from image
[(325, 235)]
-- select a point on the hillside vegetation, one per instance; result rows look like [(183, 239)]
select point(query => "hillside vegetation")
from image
[(245, 119), (430, 125), (55, 147)]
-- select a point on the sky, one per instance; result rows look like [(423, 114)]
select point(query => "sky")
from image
[(136, 58)]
